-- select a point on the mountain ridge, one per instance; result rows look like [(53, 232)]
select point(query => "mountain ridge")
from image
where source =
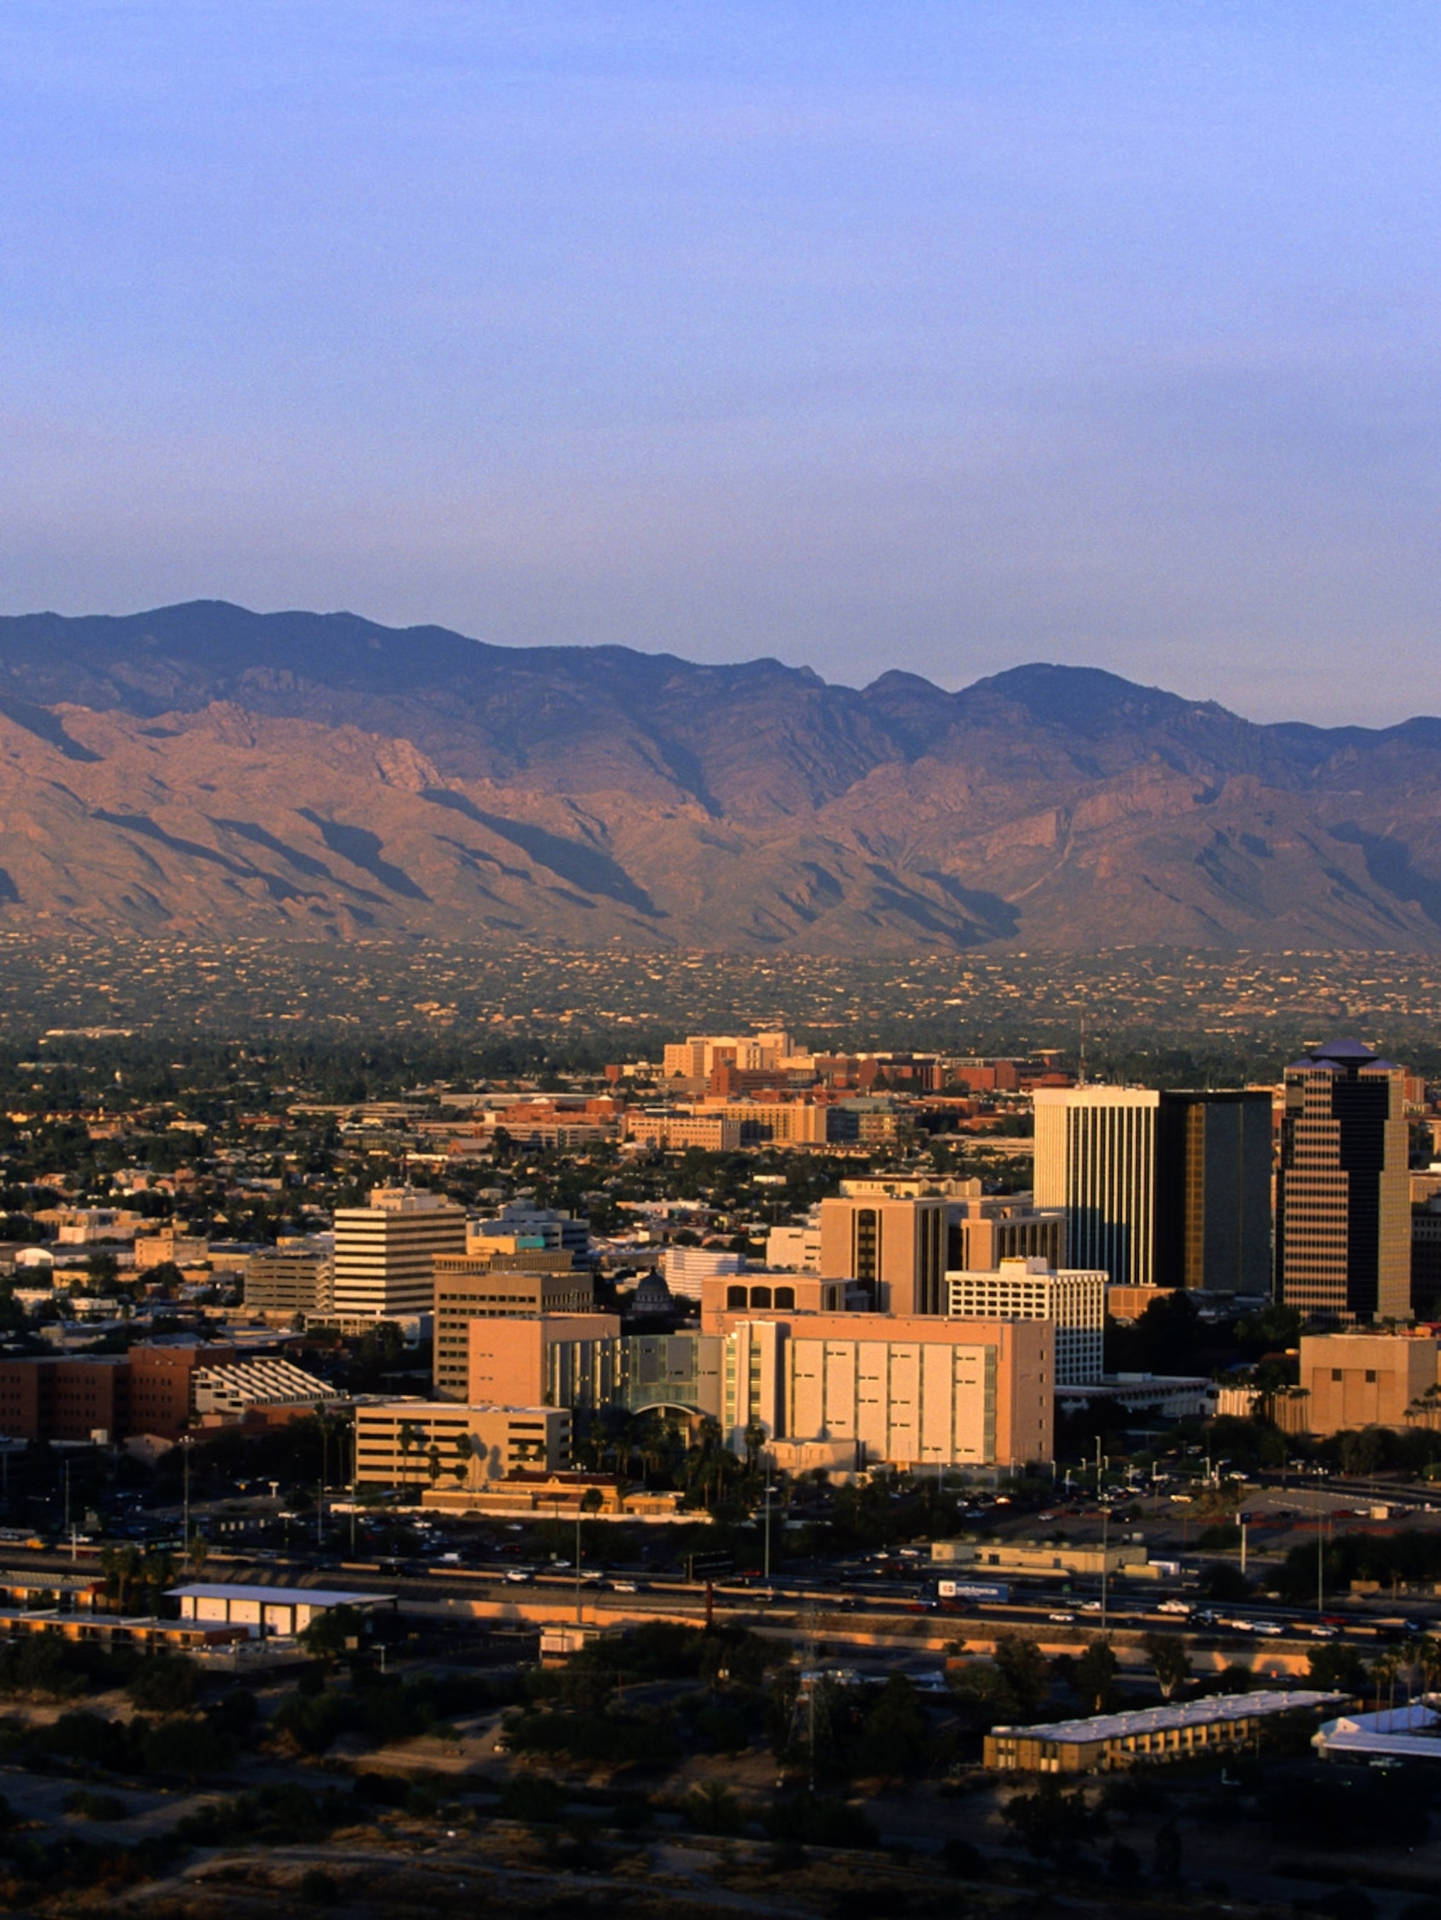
[(205, 769)]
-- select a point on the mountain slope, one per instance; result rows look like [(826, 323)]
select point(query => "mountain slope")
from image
[(209, 771)]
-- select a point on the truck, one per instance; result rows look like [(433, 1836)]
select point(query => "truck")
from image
[(993, 1590)]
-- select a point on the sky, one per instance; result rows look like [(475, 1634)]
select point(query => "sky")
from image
[(934, 336)]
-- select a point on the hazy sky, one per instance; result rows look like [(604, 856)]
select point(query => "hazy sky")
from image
[(941, 336)]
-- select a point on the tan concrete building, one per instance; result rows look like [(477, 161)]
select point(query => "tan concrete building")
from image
[(507, 1360), (1036, 1556), (781, 1123), (697, 1057), (674, 1132), (417, 1444), (1351, 1380), (904, 1390), (997, 1227), (284, 1284), (895, 1248), (469, 1287), (171, 1244), (759, 1290)]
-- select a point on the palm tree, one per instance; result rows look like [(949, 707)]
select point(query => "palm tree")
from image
[(410, 1439)]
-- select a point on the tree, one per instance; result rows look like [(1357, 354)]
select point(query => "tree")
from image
[(165, 1683), (1337, 1669), (464, 1469), (1022, 1666), (332, 1633), (409, 1440), (1221, 1581), (893, 1738), (1094, 1675), (1052, 1824), (1169, 1660)]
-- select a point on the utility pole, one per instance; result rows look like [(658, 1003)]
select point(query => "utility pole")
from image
[(577, 1563), (1105, 1559), (769, 1491), (320, 1494)]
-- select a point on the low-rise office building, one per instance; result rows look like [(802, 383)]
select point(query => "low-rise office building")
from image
[(417, 1444), (470, 1287), (1351, 1380), (1152, 1736)]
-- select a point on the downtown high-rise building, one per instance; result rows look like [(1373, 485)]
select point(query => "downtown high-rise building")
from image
[(1343, 1207), (1168, 1189), (385, 1253), (895, 1248)]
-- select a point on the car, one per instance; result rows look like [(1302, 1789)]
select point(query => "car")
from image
[(1173, 1606), (1062, 1617), (625, 1586), (1089, 1606), (518, 1576)]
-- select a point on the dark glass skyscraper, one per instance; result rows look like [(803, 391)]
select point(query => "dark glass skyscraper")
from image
[(1343, 1203)]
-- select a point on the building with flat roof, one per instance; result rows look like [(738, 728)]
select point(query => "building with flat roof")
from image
[(286, 1283), (1073, 1301), (508, 1361), (1151, 1736), (266, 1611), (1160, 1188), (895, 1248), (435, 1443), (470, 1287), (913, 1391), (866, 1388), (385, 1253), (986, 1230), (1352, 1380), (684, 1268), (674, 1132), (1343, 1195)]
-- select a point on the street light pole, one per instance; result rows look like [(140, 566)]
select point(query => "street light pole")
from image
[(769, 1491)]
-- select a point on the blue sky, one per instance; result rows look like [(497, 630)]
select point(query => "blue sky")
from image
[(934, 336)]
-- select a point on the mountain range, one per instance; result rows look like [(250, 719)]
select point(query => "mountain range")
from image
[(207, 772)]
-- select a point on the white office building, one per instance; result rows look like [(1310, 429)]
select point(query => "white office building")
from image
[(385, 1253), (685, 1267), (1096, 1157), (1074, 1300)]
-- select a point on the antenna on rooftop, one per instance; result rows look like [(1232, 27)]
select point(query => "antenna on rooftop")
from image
[(1082, 1073)]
